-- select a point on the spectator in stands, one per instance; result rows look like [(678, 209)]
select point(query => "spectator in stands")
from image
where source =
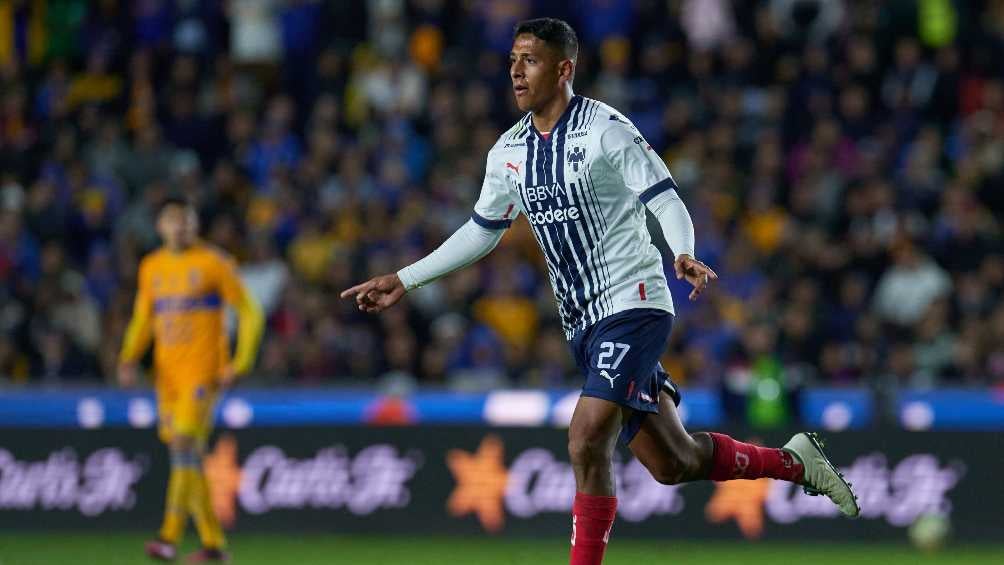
[(909, 286)]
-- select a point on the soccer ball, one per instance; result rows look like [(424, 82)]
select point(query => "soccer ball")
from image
[(929, 532)]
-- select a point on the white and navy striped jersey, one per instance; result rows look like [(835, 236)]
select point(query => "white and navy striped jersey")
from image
[(583, 189)]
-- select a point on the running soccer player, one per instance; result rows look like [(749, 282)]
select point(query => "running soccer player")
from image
[(180, 297), (583, 175)]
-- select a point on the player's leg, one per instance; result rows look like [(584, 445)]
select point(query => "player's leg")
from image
[(164, 547), (611, 354), (669, 453), (675, 456), (592, 438), (195, 419)]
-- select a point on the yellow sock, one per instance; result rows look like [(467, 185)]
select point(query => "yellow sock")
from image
[(200, 504), (176, 507)]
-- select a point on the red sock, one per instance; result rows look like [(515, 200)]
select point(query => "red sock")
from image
[(592, 518), (738, 460)]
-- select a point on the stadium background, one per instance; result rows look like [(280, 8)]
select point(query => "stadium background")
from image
[(843, 162)]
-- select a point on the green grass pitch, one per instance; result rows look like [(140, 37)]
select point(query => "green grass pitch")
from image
[(274, 549)]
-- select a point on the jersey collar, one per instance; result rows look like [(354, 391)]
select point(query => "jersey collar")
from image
[(572, 103)]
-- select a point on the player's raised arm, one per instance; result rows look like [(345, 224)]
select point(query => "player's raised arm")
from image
[(646, 175), (250, 321), (493, 214), (139, 332)]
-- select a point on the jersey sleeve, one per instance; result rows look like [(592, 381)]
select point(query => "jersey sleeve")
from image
[(497, 206), (231, 288), (139, 333), (642, 169), (250, 319)]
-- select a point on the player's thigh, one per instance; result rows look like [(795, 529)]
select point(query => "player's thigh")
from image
[(664, 446), (663, 431), (193, 413), (167, 399)]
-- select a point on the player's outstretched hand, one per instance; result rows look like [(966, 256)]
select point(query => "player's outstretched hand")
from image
[(127, 375), (378, 293), (695, 272)]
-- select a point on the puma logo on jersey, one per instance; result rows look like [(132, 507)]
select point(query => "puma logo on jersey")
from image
[(515, 167), (606, 375)]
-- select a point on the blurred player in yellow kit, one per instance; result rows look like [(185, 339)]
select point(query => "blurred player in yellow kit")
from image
[(182, 290)]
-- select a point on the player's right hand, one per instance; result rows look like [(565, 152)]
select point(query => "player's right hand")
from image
[(378, 293), (127, 375)]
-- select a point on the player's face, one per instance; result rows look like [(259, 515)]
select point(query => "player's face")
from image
[(178, 226), (537, 71)]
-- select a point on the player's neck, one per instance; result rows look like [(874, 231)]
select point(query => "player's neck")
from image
[(546, 118), (178, 249)]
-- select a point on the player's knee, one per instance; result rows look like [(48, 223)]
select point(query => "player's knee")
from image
[(683, 465), (586, 450), (183, 444), (672, 472)]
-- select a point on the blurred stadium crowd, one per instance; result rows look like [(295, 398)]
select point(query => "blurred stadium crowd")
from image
[(843, 162)]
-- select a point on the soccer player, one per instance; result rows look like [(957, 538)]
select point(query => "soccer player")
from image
[(583, 176), (179, 303)]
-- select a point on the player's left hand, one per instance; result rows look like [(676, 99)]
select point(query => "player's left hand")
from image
[(227, 376), (696, 273), (127, 375)]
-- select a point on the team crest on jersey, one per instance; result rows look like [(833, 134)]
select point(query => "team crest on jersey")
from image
[(194, 276), (576, 156)]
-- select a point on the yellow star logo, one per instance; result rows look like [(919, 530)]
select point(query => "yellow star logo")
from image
[(481, 481), (741, 501), (224, 477)]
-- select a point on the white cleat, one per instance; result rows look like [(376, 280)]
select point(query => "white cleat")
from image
[(821, 477)]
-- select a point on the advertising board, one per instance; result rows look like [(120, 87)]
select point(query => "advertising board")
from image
[(474, 480)]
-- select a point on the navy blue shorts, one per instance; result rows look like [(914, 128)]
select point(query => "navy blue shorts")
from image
[(619, 356)]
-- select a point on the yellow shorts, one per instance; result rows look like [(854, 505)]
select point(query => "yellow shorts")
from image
[(185, 409)]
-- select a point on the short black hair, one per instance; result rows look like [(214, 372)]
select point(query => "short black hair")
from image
[(556, 33), (173, 200)]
